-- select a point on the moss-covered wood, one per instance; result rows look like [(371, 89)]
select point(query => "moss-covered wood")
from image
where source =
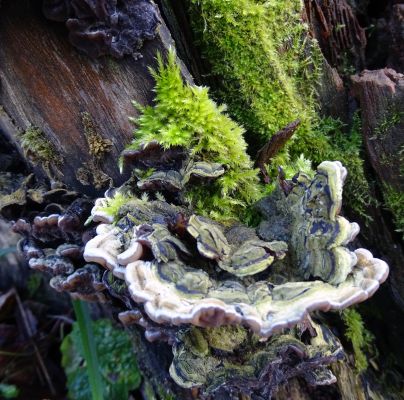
[(80, 106)]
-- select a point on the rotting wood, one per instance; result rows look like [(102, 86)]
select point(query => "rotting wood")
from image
[(275, 144), (46, 83)]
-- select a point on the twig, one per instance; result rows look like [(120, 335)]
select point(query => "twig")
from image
[(272, 148), (29, 332)]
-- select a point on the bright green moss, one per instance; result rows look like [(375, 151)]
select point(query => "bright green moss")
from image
[(359, 336), (268, 68), (184, 115), (115, 203), (290, 168), (395, 203), (266, 63)]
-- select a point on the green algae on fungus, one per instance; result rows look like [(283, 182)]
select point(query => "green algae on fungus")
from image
[(185, 116), (248, 365)]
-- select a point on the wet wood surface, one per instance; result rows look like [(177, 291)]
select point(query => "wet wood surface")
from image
[(46, 83)]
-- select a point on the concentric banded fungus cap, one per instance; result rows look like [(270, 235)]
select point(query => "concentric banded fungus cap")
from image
[(318, 233), (159, 230), (265, 308), (205, 274)]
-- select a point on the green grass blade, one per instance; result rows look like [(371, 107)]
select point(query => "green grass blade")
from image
[(90, 354), (7, 250)]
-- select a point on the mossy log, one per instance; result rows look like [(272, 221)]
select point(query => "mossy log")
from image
[(77, 103), (47, 85), (78, 108)]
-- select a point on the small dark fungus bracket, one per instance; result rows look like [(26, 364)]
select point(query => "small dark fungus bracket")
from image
[(100, 27)]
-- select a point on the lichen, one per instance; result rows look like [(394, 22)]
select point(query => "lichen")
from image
[(359, 336), (184, 115)]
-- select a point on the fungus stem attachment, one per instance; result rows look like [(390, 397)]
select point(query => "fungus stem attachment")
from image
[(90, 354)]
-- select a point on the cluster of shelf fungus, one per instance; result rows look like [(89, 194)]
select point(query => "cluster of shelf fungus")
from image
[(233, 301)]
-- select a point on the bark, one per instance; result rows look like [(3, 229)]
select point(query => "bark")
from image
[(381, 97), (46, 83), (338, 31)]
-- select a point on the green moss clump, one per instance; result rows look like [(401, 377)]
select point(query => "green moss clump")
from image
[(359, 336), (268, 68), (395, 203), (184, 115), (37, 148), (115, 203), (267, 64)]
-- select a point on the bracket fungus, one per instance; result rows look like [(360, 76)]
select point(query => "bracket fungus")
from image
[(199, 354), (203, 274), (187, 279), (100, 27)]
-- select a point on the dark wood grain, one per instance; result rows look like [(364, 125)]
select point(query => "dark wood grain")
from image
[(45, 82)]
